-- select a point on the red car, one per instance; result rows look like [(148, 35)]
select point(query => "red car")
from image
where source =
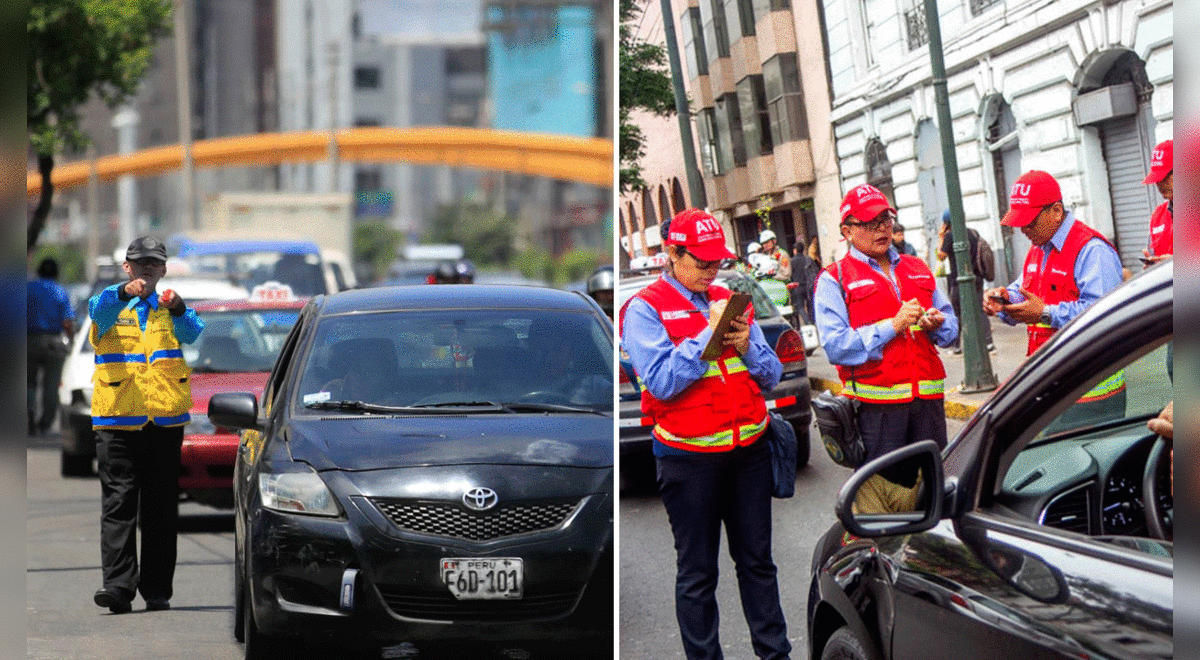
[(234, 353)]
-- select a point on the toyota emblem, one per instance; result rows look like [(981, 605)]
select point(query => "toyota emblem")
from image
[(480, 499)]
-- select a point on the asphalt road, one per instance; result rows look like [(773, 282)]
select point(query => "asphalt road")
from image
[(648, 629)]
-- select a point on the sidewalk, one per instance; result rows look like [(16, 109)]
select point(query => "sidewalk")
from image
[(1009, 354)]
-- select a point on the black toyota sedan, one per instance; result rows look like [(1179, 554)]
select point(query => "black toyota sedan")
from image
[(1042, 531), (429, 463)]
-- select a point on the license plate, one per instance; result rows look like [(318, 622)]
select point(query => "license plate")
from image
[(493, 578)]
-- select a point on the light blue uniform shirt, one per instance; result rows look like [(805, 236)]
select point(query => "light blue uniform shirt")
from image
[(106, 306), (1097, 271), (849, 346)]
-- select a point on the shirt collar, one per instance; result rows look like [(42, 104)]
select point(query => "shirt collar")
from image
[(892, 254), (687, 293), (1059, 239), (151, 300)]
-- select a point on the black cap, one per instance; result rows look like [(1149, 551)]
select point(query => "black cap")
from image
[(146, 247)]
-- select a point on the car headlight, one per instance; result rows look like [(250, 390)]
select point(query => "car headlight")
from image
[(299, 491), (200, 425)]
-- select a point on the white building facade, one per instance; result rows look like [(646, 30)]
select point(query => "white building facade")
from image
[(1082, 89)]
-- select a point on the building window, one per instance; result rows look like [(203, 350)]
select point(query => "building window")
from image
[(368, 179), (915, 27), (978, 6), (785, 103), (739, 17), (764, 7), (707, 128), (756, 121), (716, 37), (879, 169), (731, 147), (366, 123), (693, 43), (366, 77)]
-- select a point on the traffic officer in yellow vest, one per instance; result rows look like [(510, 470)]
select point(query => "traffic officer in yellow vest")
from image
[(1069, 267), (140, 404), (880, 315), (709, 417)]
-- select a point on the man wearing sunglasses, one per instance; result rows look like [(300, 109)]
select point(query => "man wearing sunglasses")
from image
[(880, 315), (140, 403), (1069, 267), (709, 417)]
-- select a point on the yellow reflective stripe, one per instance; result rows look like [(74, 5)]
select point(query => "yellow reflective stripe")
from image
[(719, 439), (1107, 386), (931, 386), (878, 393), (749, 430), (733, 365), (1042, 325)]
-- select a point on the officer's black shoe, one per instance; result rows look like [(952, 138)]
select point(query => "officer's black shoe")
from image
[(115, 603), (157, 604)]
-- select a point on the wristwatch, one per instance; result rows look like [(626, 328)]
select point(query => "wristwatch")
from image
[(1044, 319)]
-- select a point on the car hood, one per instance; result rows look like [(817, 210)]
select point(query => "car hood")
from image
[(368, 443), (205, 385)]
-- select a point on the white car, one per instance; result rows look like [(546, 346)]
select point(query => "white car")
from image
[(75, 388)]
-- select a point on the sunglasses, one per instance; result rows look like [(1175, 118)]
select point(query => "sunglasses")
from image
[(702, 264), (148, 262), (882, 221)]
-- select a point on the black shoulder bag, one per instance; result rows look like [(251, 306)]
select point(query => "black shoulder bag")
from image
[(837, 416)]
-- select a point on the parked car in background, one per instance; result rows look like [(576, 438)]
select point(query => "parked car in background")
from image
[(790, 398), (429, 463), (249, 263), (75, 388), (1042, 531)]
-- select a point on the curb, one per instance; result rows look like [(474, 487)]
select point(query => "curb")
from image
[(954, 409)]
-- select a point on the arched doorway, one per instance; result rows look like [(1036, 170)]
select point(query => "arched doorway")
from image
[(1114, 100), (1002, 140), (879, 168)]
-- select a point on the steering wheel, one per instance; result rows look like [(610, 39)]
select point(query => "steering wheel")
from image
[(1158, 521), (545, 396)]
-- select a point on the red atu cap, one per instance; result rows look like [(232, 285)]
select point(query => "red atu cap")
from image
[(700, 233), (1033, 191), (864, 202), (1160, 162)]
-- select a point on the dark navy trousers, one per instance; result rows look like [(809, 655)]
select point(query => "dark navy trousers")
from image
[(702, 492)]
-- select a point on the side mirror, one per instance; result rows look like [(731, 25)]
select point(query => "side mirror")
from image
[(235, 410), (901, 492)]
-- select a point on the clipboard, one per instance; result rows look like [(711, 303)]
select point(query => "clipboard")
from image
[(734, 308)]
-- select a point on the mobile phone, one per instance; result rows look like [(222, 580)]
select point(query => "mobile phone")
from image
[(999, 300)]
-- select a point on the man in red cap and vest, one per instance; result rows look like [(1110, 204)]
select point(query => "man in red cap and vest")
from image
[(1160, 245), (1069, 267), (709, 416), (140, 405), (880, 316)]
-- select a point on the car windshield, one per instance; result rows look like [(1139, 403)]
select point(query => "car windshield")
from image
[(542, 359), (302, 272), (240, 341)]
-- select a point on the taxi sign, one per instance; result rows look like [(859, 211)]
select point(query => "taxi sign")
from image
[(272, 292)]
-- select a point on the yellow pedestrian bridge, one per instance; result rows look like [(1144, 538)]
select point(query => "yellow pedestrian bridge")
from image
[(586, 160)]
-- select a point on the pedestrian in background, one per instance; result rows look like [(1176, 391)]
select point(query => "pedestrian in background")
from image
[(1161, 244), (1068, 269), (880, 315), (902, 246), (805, 271), (49, 325), (770, 247), (708, 419), (946, 251), (140, 403)]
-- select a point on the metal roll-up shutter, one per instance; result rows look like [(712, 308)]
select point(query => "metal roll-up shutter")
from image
[(1125, 155)]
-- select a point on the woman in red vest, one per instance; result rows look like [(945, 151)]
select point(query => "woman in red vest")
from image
[(708, 417), (1160, 245)]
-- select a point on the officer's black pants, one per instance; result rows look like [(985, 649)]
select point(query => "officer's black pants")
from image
[(701, 491), (139, 479)]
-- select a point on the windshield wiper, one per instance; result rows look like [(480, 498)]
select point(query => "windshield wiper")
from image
[(488, 406), (359, 406), (531, 406)]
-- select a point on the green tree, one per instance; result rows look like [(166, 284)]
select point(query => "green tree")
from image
[(77, 49), (486, 236), (645, 85), (375, 245)]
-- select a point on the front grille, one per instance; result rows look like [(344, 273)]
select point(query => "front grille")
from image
[(1069, 511), (455, 521), (445, 607)]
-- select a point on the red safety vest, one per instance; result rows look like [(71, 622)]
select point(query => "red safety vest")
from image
[(910, 367), (1055, 282), (1160, 230), (722, 409)]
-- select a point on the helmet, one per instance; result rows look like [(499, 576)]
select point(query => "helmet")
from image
[(601, 279), (464, 271), (753, 248), (766, 235), (444, 273)]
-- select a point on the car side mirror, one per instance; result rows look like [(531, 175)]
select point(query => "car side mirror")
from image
[(901, 492), (235, 410)]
